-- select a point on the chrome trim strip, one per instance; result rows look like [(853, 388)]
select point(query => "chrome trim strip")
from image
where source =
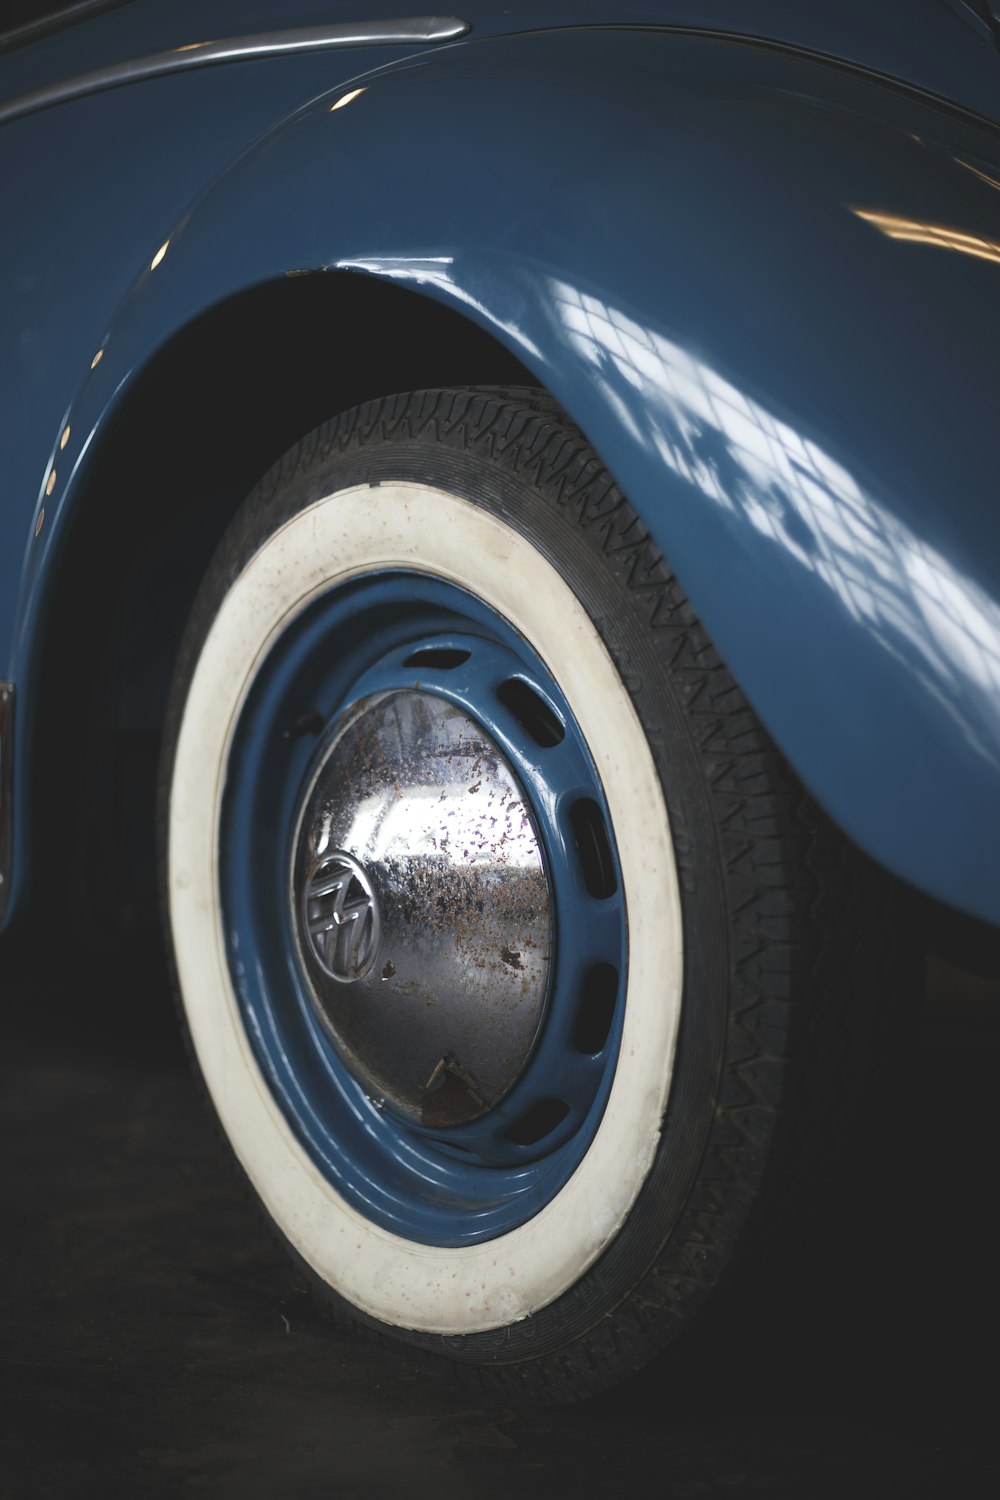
[(6, 789), (415, 31), (58, 20)]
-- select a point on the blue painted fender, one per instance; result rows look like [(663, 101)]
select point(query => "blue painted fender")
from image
[(768, 290)]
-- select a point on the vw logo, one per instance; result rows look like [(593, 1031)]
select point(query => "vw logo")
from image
[(341, 917)]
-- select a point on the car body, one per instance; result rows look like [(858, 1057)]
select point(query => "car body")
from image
[(753, 250), (709, 243)]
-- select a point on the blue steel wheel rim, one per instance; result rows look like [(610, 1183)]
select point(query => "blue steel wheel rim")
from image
[(466, 1183)]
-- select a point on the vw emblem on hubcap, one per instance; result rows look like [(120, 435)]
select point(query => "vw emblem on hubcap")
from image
[(341, 917)]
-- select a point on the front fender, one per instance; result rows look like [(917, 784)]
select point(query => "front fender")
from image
[(769, 292)]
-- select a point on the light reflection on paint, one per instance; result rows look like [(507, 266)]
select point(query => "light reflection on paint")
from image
[(978, 172), (920, 233), (742, 458), (434, 271), (345, 99)]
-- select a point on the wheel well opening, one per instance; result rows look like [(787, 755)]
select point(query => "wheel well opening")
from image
[(205, 419)]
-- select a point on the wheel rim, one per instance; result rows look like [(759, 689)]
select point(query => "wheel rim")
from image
[(474, 1151), (333, 541)]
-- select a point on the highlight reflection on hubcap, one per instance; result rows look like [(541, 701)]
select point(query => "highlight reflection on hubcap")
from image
[(423, 908)]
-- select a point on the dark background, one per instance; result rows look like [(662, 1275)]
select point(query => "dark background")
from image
[(154, 1341)]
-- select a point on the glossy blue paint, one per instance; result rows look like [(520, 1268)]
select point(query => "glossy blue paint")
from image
[(742, 271), (923, 42), (468, 1182), (100, 185)]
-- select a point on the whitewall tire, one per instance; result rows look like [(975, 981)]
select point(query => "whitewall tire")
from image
[(491, 1082)]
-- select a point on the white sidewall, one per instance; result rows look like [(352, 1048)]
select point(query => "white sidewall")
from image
[(478, 1287)]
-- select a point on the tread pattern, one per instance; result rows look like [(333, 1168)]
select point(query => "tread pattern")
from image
[(770, 1071)]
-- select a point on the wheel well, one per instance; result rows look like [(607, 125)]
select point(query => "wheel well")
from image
[(209, 414)]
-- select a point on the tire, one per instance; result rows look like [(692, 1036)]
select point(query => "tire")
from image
[(515, 1105)]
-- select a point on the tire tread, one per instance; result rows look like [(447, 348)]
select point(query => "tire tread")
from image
[(807, 969)]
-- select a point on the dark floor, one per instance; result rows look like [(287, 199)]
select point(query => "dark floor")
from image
[(153, 1342)]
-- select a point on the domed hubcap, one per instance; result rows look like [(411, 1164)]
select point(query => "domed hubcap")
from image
[(423, 910)]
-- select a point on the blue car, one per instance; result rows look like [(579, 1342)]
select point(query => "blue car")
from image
[(499, 528)]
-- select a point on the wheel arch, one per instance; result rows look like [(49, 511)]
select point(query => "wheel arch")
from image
[(834, 530), (204, 417)]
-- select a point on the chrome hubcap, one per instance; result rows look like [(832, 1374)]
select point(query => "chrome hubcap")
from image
[(422, 908)]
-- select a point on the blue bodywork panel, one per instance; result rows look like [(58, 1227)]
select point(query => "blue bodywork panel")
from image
[(921, 42), (767, 288)]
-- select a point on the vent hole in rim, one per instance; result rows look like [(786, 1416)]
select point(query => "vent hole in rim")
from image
[(594, 848), (597, 1008), (541, 1119), (445, 657), (531, 711)]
